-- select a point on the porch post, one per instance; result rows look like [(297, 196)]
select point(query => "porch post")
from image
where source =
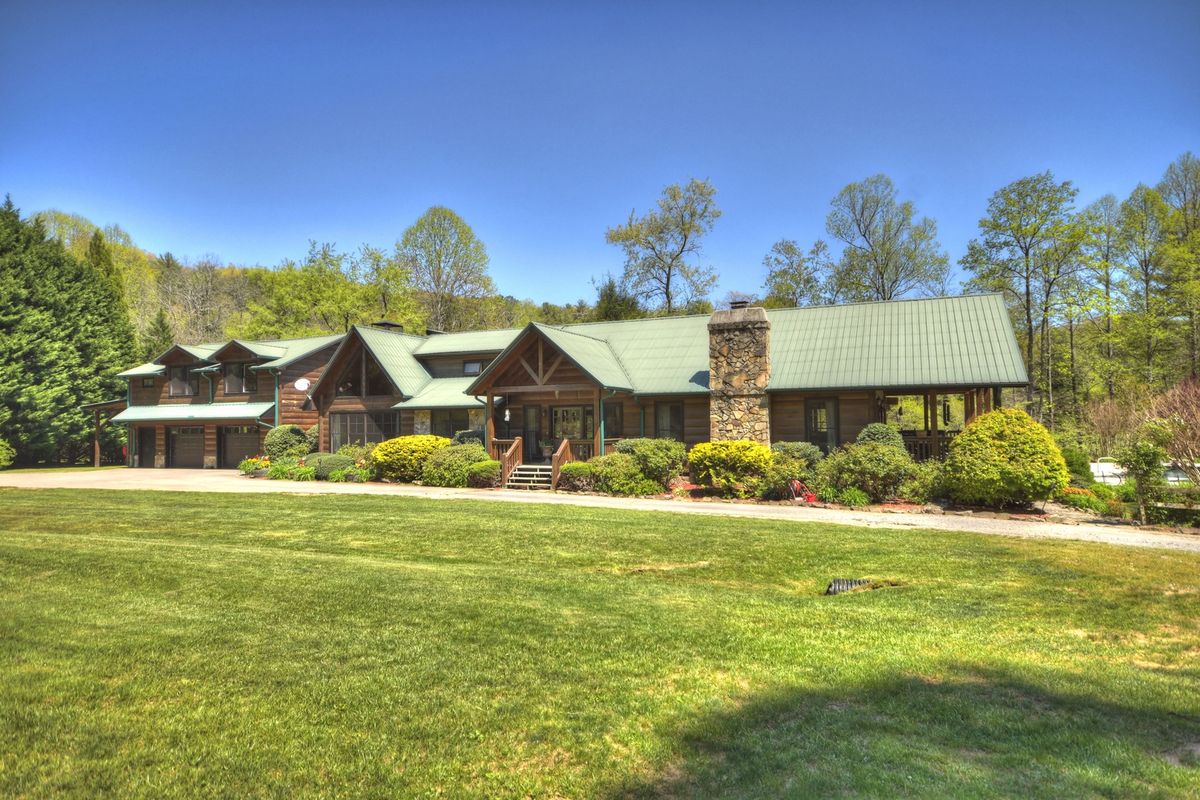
[(489, 425), (597, 418), (968, 405), (96, 439), (933, 425)]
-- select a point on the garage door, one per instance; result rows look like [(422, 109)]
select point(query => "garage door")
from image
[(187, 447), (238, 442)]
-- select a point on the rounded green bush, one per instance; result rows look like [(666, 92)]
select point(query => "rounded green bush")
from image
[(660, 460), (1079, 465), (619, 474), (484, 474), (575, 476), (730, 465), (925, 483), (462, 437), (286, 441), (880, 433), (807, 452), (403, 458), (7, 454), (877, 469), (448, 466), (1004, 458), (326, 463)]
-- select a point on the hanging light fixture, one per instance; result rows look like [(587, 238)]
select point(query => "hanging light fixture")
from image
[(507, 415)]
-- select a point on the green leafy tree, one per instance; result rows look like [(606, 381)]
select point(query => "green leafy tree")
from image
[(1143, 225), (888, 252), (613, 302), (63, 338), (448, 264), (661, 246), (796, 278)]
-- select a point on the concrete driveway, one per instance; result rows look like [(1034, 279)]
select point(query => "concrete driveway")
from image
[(199, 480)]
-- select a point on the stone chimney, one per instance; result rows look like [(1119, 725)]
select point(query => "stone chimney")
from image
[(739, 367)]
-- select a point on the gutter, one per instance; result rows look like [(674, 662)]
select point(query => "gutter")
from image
[(275, 372)]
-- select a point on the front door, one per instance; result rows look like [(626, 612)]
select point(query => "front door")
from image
[(145, 447), (532, 433), (821, 422)]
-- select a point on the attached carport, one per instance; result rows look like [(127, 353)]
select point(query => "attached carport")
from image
[(192, 435)]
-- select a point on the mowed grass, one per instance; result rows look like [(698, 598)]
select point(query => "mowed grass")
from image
[(178, 645)]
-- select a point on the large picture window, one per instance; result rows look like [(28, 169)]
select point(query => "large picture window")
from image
[(374, 427), (668, 421), (240, 379), (363, 377), (449, 421), (182, 382)]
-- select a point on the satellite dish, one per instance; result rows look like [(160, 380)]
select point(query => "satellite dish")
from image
[(302, 384)]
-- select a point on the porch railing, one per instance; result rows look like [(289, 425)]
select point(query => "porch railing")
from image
[(561, 456), (584, 449), (510, 460), (923, 446)]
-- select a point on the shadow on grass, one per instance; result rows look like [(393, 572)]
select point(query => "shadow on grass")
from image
[(963, 734)]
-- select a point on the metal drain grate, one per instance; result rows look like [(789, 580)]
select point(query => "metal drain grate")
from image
[(839, 585)]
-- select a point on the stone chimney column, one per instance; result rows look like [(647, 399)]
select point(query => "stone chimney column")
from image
[(739, 368)]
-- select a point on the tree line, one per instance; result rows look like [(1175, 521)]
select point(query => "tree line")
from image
[(1105, 299)]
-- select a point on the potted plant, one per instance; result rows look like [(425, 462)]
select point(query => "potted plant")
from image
[(548, 447)]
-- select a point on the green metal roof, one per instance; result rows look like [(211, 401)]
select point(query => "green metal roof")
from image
[(193, 412), (936, 342), (466, 342), (593, 356), (258, 349), (294, 349), (143, 371), (661, 355), (393, 351), (443, 393)]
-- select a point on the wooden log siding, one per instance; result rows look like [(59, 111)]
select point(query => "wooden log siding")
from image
[(856, 410)]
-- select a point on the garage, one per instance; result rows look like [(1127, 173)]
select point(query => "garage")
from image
[(238, 442), (185, 446)]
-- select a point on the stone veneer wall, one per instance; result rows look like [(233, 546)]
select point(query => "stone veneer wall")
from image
[(422, 422), (739, 368)]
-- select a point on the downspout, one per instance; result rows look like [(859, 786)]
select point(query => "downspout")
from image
[(275, 372), (641, 419), (130, 445), (611, 394)]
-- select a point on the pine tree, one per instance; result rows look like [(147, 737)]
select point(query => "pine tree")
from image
[(158, 338)]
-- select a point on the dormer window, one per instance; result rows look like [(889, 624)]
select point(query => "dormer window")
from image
[(182, 382), (472, 367), (240, 379)]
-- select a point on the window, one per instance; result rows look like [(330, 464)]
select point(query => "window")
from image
[(147, 383), (571, 422), (362, 428), (472, 367), (350, 383), (614, 420), (449, 421), (240, 379), (363, 372), (183, 382), (821, 418), (377, 381), (668, 421)]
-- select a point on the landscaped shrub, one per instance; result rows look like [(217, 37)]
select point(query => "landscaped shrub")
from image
[(855, 498), (880, 433), (575, 476), (484, 474), (1004, 458), (303, 473), (350, 475), (325, 463), (281, 469), (253, 464), (807, 452), (925, 483), (7, 454), (828, 494), (618, 473), (732, 466), (463, 437), (876, 469), (660, 460), (1083, 499), (313, 435), (360, 453), (286, 441), (1079, 465), (448, 466), (1142, 461), (403, 458)]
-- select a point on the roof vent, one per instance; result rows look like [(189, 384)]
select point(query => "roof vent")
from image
[(387, 324), (739, 303)]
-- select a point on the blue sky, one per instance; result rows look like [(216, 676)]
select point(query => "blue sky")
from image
[(246, 129)]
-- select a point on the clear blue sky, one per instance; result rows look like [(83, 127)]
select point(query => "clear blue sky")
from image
[(244, 130)]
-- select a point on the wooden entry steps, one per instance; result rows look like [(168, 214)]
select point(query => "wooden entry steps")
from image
[(530, 476)]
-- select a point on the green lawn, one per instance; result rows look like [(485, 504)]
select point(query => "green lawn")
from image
[(179, 645)]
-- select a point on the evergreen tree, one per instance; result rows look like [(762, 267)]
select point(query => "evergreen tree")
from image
[(63, 337), (614, 302), (158, 338)]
